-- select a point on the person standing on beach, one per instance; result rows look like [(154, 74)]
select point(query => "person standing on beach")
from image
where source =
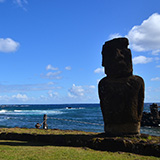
[(45, 126)]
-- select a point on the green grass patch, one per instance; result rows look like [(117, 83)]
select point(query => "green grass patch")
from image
[(44, 132)]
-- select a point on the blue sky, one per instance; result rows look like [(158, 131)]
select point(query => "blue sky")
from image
[(50, 51)]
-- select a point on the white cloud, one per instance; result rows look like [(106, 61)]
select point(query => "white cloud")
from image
[(75, 91), (53, 75), (99, 70), (146, 36), (21, 3), (81, 91), (8, 45), (141, 60), (50, 83), (92, 86), (22, 97), (158, 66), (115, 35), (50, 67), (156, 52), (53, 94), (27, 87), (155, 79), (4, 98), (68, 68)]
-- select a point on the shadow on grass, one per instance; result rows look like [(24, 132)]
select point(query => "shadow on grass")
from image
[(74, 140), (20, 143)]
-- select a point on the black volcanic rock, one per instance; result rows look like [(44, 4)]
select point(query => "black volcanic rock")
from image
[(152, 118)]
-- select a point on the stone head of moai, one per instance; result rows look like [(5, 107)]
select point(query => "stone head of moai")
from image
[(121, 93), (117, 58)]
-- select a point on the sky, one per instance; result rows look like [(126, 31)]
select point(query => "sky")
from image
[(50, 50)]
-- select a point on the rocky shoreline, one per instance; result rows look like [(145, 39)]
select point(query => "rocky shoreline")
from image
[(152, 118), (143, 144)]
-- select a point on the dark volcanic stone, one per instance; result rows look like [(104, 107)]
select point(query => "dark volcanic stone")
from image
[(117, 58), (121, 94)]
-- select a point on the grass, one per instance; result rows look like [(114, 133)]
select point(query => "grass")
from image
[(42, 131), (22, 150), (27, 150)]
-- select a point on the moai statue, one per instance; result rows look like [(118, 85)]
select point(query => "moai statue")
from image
[(121, 93), (154, 111)]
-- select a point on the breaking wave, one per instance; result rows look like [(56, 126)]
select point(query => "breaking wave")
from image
[(30, 112)]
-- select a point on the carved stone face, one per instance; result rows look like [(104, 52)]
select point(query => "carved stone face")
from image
[(116, 58)]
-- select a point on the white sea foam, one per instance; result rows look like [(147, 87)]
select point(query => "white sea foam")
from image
[(31, 112), (3, 111), (75, 108), (37, 112)]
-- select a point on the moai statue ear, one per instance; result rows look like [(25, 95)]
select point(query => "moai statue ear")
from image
[(121, 94)]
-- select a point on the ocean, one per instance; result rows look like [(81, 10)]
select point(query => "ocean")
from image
[(84, 117)]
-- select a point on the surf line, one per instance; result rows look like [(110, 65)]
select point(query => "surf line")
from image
[(75, 121)]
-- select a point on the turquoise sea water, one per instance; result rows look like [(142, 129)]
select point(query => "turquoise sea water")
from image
[(84, 117)]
